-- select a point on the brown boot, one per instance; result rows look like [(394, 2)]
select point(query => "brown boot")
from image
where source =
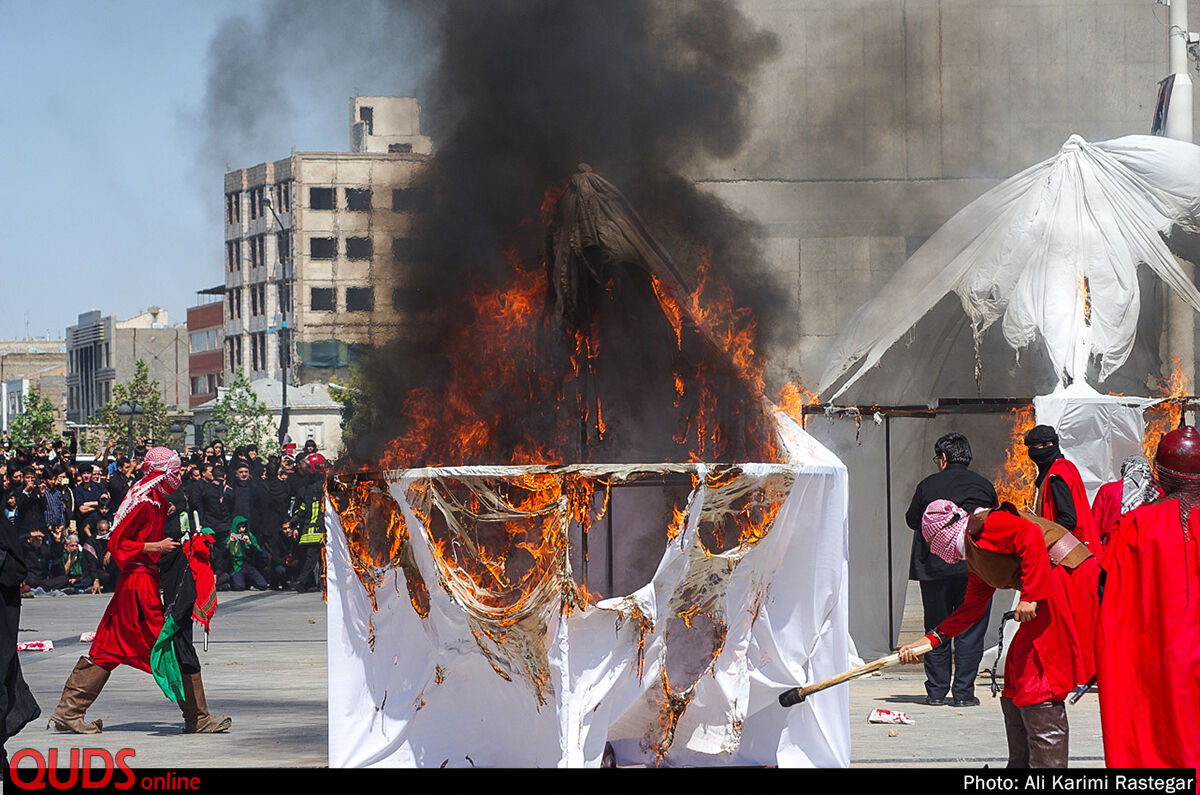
[(83, 685), (1014, 728), (1049, 734), (194, 707)]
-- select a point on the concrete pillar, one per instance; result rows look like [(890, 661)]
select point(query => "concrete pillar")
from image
[(1181, 320)]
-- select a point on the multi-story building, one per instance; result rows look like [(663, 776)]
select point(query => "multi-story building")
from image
[(206, 334), (103, 352), (315, 245), (26, 365)]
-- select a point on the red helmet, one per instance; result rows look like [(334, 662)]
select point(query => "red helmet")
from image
[(1179, 454), (317, 463)]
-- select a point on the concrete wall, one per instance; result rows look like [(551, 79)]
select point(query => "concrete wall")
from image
[(43, 363), (881, 118)]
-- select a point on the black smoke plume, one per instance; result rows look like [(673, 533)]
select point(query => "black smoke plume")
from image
[(521, 94)]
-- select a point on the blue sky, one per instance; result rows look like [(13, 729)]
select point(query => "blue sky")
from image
[(109, 201)]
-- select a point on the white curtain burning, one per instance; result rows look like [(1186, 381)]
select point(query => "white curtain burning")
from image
[(553, 687)]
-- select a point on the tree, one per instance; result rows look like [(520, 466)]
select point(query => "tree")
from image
[(247, 419), (35, 422), (152, 423)]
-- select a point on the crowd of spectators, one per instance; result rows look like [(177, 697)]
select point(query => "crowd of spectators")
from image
[(259, 509)]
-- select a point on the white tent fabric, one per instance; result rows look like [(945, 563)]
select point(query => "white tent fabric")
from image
[(406, 690), (1096, 432), (1023, 250)]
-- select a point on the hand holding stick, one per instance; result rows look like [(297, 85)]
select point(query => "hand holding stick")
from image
[(797, 694)]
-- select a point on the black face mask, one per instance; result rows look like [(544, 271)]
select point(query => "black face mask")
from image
[(1044, 456)]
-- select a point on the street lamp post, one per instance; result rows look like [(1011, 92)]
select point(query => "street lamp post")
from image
[(130, 410), (285, 297)]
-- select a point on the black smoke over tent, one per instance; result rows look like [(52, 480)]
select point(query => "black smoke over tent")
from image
[(521, 94)]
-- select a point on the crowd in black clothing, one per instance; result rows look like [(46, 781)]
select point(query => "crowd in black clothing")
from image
[(259, 511)]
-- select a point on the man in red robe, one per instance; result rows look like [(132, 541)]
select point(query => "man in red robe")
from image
[(1148, 635), (1061, 496), (134, 617), (1005, 549)]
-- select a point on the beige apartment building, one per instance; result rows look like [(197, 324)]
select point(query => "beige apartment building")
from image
[(103, 352), (316, 245)]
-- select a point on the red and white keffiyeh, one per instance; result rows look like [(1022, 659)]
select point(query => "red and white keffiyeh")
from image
[(160, 477), (944, 526)]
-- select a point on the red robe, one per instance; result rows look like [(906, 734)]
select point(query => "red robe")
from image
[(1106, 509), (1085, 526), (1148, 640), (1046, 657), (134, 616)]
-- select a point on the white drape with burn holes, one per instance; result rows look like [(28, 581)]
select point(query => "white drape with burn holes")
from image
[(411, 691), (1053, 252)]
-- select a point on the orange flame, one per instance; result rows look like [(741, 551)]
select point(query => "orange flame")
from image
[(793, 397), (1165, 416), (1016, 479)]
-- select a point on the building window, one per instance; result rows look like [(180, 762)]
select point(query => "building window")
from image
[(358, 248), (199, 385), (408, 249), (283, 244), (358, 200), (204, 340), (258, 251), (285, 197), (258, 299), (233, 299), (320, 198), (257, 360), (360, 299), (234, 345), (322, 247), (398, 299), (256, 202), (322, 299), (412, 200), (233, 208), (366, 114), (233, 255)]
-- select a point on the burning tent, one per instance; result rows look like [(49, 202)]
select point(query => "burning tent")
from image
[(468, 624)]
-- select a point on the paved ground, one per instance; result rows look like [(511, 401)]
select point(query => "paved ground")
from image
[(945, 736), (266, 668)]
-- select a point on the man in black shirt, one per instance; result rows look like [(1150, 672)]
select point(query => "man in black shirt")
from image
[(943, 585)]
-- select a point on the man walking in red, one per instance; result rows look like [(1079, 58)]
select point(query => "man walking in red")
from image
[(1148, 635), (1004, 549), (134, 616)]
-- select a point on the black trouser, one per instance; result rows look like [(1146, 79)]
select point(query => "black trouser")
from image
[(940, 598), (17, 705), (310, 569)]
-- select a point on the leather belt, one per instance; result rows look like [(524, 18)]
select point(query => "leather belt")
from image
[(1062, 547)]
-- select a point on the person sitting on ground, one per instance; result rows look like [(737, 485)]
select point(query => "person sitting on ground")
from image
[(43, 560), (77, 566), (243, 547)]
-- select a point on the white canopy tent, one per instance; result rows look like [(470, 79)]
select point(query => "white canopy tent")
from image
[(1052, 251), (1054, 254), (684, 670)]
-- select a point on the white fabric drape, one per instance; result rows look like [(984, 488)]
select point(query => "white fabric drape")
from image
[(412, 691), (1021, 252)]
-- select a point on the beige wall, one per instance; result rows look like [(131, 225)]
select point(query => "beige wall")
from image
[(881, 118)]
